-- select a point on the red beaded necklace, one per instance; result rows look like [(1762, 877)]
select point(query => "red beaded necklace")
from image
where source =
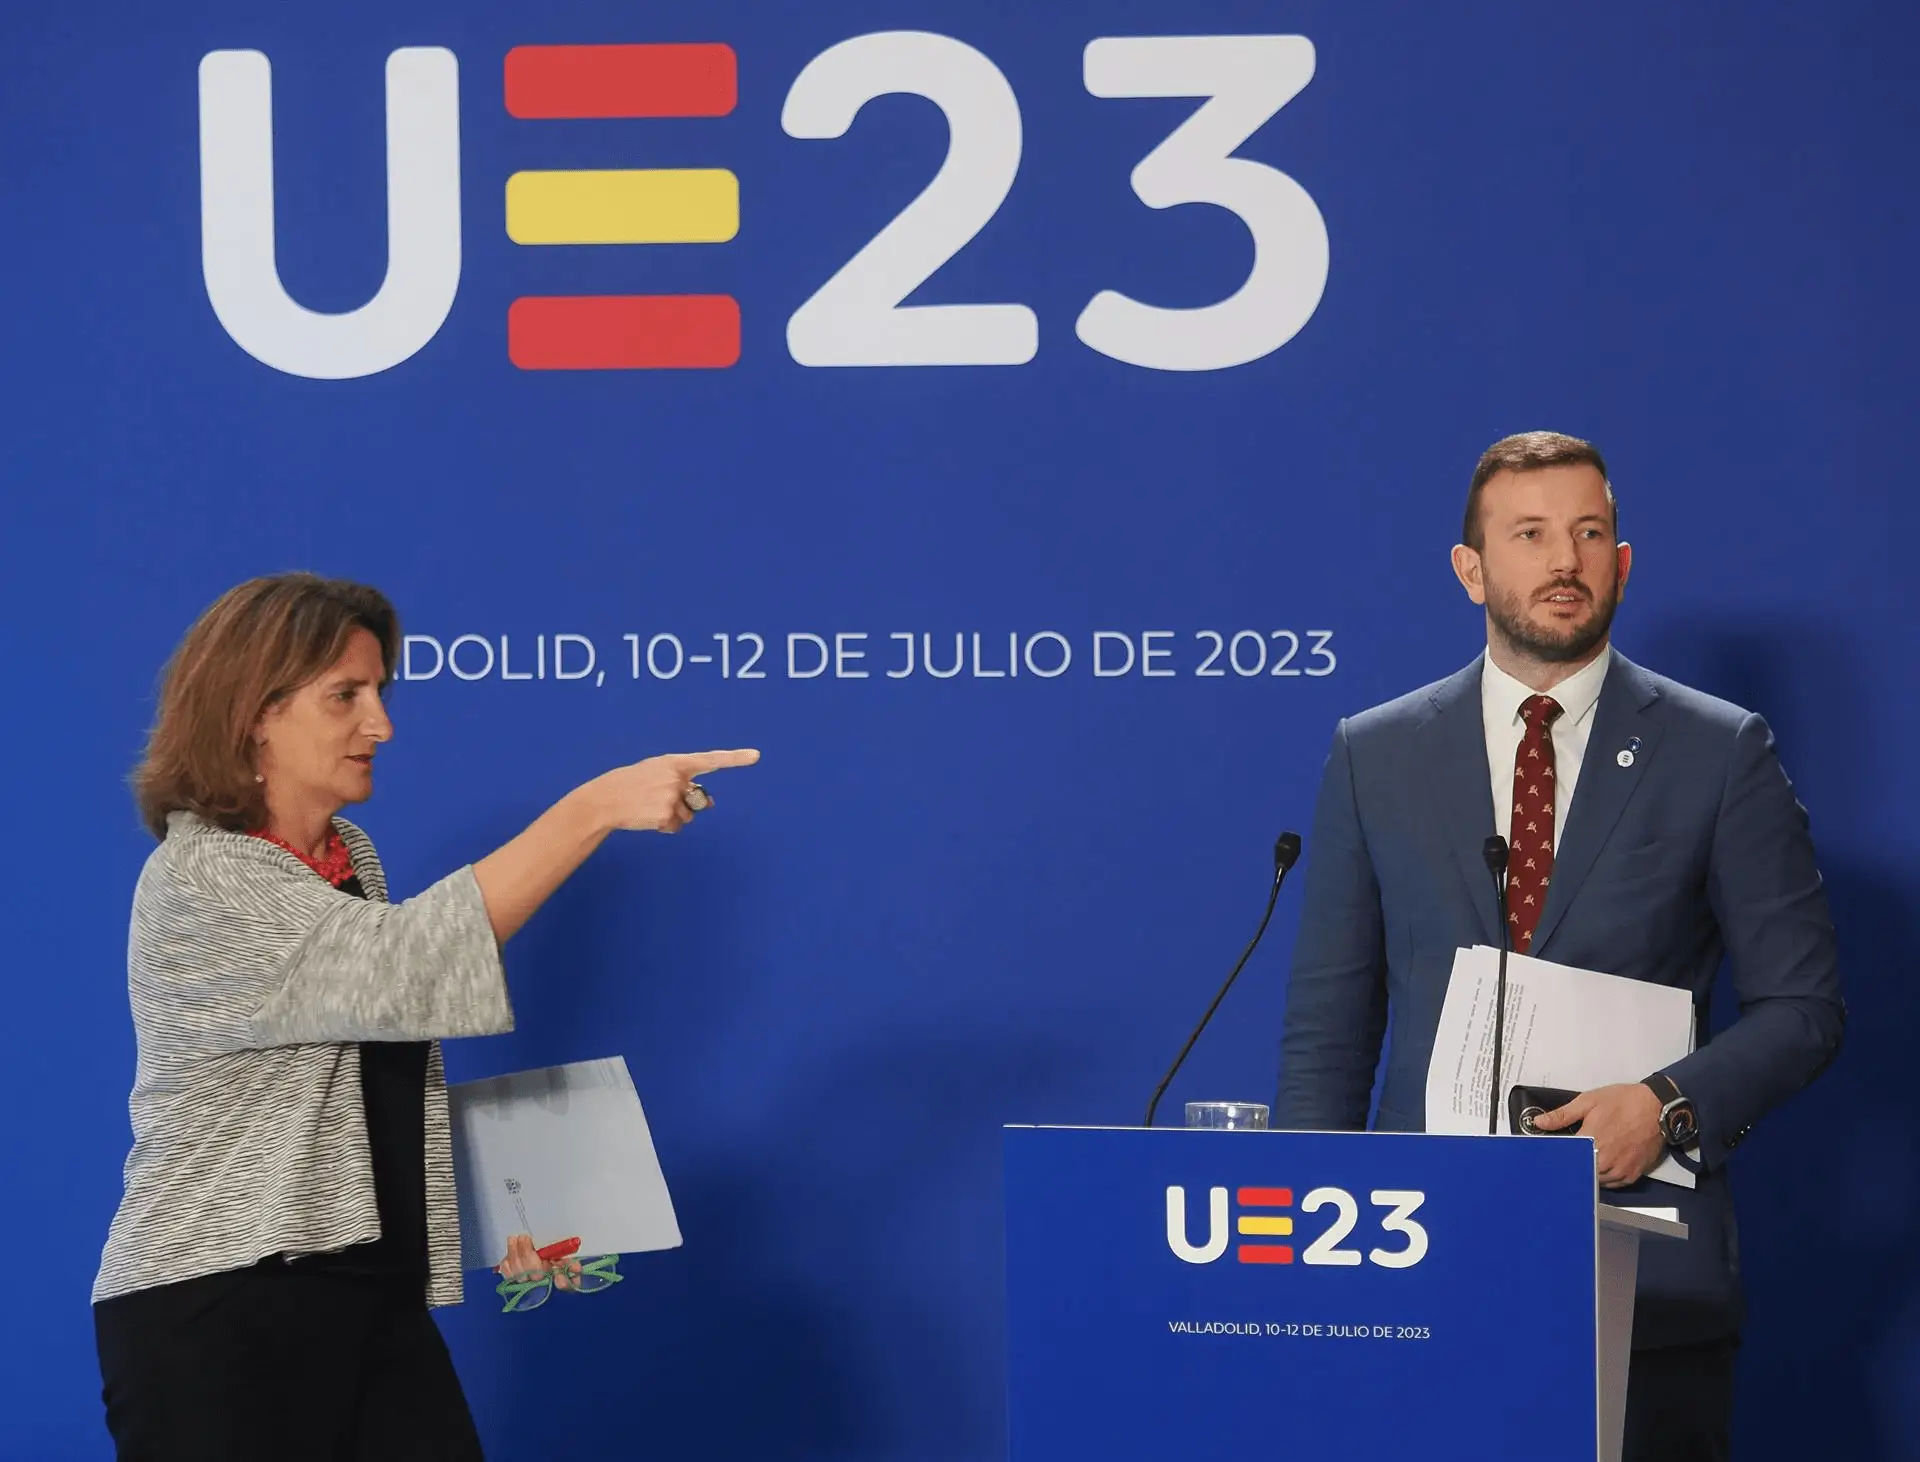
[(335, 865)]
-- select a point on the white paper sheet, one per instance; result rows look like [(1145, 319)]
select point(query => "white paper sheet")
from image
[(1566, 1027), (565, 1146)]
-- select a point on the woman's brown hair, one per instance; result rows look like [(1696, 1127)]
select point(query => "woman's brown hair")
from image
[(256, 644)]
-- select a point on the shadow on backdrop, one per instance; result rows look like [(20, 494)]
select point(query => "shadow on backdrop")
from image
[(1828, 1187)]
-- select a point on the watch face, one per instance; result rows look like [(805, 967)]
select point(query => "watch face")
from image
[(1680, 1124)]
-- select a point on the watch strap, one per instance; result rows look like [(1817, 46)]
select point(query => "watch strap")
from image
[(1662, 1086)]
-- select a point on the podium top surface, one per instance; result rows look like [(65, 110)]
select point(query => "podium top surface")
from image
[(1640, 1221)]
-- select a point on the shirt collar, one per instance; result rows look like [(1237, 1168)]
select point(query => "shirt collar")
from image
[(1501, 695)]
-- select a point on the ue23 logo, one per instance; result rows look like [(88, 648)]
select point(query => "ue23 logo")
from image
[(855, 318), (1267, 1214)]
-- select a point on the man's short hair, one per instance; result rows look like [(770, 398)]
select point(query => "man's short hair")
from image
[(1528, 451)]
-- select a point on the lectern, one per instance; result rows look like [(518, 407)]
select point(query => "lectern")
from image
[(1174, 1294)]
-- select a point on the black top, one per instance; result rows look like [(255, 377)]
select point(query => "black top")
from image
[(393, 1087)]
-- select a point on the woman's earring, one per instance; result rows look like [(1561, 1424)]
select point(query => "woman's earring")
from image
[(258, 778)]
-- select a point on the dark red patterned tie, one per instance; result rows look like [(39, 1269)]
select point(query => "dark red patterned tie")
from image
[(1530, 841)]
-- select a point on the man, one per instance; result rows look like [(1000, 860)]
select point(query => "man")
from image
[(1658, 835)]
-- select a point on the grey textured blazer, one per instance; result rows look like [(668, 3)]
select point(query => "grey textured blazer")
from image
[(251, 983)]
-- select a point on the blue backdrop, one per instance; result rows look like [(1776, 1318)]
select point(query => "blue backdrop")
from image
[(945, 903)]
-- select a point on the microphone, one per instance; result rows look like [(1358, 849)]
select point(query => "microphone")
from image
[(1495, 852), (1286, 852)]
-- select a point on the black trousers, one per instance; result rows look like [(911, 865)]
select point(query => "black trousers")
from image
[(1680, 1404), (278, 1364)]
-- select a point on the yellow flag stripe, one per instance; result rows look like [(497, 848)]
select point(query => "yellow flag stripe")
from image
[(631, 206), (1252, 1225)]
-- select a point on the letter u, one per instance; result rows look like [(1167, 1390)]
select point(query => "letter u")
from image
[(423, 219), (1217, 1234)]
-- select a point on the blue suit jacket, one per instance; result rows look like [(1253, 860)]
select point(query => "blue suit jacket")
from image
[(1695, 851)]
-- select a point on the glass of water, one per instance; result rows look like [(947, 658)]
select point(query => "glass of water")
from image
[(1228, 1116)]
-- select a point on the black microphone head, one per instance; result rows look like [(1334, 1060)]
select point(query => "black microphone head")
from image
[(1495, 852), (1286, 851)]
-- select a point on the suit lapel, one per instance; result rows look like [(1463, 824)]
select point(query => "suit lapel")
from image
[(1605, 787), (1462, 786)]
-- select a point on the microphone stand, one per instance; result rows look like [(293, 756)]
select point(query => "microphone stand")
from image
[(1285, 851), (1495, 853)]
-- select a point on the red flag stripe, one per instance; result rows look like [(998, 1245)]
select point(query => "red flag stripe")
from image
[(545, 82)]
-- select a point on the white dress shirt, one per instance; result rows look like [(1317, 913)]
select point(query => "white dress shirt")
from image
[(1501, 697)]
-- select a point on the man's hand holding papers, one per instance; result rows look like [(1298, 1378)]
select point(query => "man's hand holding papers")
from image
[(1624, 1122)]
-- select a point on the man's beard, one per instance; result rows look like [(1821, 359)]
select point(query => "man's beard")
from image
[(1508, 611)]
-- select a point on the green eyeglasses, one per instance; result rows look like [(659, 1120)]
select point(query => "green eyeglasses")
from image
[(529, 1290)]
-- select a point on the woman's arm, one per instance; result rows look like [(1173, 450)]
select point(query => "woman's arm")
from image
[(234, 948), (521, 875)]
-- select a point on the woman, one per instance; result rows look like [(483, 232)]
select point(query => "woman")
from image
[(289, 1212)]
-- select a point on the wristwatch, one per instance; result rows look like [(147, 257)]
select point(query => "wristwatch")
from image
[(1679, 1123)]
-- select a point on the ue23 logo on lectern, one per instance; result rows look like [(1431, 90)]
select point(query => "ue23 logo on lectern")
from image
[(856, 317), (1266, 1214)]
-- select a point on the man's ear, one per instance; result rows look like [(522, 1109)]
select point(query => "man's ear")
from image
[(1624, 558), (1467, 569)]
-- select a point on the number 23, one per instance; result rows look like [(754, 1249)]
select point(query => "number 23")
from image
[(1401, 1203), (857, 317)]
